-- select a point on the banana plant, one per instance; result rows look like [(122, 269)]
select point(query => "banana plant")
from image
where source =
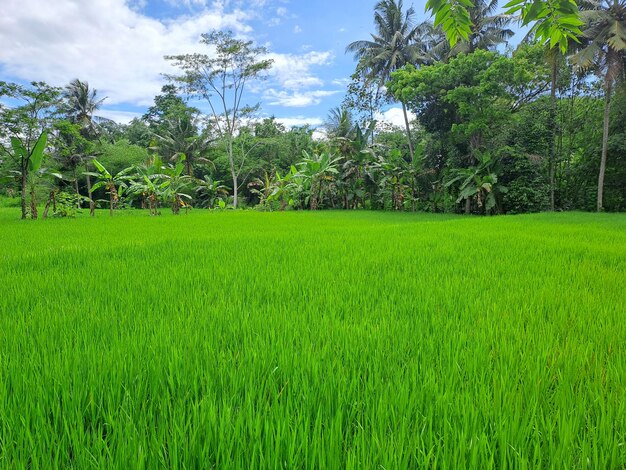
[(114, 185), (176, 185), (212, 193), (27, 162), (148, 183), (263, 188), (315, 170), (479, 183), (282, 190)]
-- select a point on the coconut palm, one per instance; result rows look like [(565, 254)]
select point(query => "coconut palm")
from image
[(81, 102), (397, 42), (179, 137), (604, 47)]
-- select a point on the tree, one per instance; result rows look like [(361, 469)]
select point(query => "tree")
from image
[(81, 102), (221, 80), (71, 150), (556, 21), (604, 47), (179, 136), (25, 126), (470, 101), (395, 44)]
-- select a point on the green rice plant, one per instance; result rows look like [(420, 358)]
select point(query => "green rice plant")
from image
[(313, 340)]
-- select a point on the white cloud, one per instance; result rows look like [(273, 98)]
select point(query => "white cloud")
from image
[(120, 51), (299, 121), (293, 72), (121, 117), (296, 99), (187, 3), (342, 82), (394, 116), (297, 29), (105, 42)]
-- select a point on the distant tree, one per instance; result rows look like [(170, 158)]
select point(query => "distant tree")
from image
[(221, 78), (395, 44), (80, 105)]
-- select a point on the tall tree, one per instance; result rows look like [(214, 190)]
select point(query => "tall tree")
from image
[(26, 126), (604, 48), (395, 44), (81, 102), (221, 78)]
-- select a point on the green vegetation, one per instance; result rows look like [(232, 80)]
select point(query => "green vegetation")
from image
[(496, 129), (313, 340)]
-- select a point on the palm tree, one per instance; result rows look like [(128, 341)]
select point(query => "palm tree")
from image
[(605, 48), (397, 42), (179, 137), (81, 104)]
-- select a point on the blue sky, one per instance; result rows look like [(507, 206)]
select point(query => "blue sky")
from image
[(118, 47)]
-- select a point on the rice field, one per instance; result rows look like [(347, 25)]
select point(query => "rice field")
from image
[(313, 340)]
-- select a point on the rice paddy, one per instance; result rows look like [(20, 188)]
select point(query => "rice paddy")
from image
[(313, 340)]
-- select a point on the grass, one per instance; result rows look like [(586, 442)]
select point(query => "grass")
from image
[(313, 340)]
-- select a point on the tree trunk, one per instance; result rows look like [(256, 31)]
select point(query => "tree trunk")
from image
[(23, 192), (408, 132), (33, 204), (111, 203), (91, 204), (233, 173), (51, 200), (78, 203), (605, 142), (552, 124), (468, 206)]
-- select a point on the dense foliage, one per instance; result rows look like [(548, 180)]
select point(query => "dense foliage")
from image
[(538, 127)]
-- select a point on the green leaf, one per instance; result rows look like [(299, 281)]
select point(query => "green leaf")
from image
[(36, 157), (18, 148)]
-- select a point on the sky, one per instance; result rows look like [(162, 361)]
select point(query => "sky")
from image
[(118, 47)]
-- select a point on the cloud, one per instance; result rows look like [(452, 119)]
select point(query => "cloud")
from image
[(394, 116), (297, 99), (297, 29), (187, 3), (342, 82), (299, 121), (120, 53), (293, 72), (121, 117)]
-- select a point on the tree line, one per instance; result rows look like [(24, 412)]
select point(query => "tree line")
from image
[(497, 129)]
